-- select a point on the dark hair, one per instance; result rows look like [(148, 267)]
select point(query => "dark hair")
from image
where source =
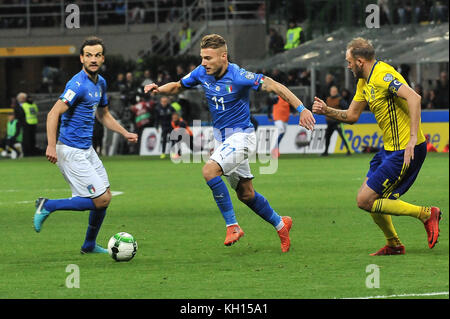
[(93, 40), (363, 48)]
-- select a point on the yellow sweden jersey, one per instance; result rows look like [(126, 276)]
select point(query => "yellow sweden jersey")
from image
[(391, 111)]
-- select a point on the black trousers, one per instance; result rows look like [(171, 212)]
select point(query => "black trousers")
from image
[(331, 127), (165, 131), (29, 140)]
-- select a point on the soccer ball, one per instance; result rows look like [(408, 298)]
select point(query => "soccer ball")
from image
[(122, 247)]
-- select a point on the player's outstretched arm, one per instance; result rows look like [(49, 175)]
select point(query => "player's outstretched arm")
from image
[(168, 88), (52, 127), (306, 118), (349, 116), (105, 117)]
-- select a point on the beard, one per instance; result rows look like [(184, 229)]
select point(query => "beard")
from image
[(92, 73), (358, 73)]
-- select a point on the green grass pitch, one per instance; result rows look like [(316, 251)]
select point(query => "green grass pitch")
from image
[(170, 211)]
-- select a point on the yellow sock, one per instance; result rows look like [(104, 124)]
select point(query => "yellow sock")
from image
[(385, 224), (400, 208)]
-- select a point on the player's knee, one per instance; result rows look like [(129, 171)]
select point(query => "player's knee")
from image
[(102, 202), (211, 170), (245, 194), (364, 203)]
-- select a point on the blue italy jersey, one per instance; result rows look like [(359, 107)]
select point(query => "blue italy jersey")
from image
[(83, 96), (228, 97)]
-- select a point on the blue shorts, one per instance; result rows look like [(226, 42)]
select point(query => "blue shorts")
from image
[(387, 175)]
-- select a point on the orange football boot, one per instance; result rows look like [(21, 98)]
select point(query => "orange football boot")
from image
[(432, 226), (234, 232), (284, 234), (388, 250)]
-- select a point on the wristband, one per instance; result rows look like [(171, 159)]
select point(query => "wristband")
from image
[(300, 108)]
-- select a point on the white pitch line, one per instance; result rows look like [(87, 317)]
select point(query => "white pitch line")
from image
[(443, 293)]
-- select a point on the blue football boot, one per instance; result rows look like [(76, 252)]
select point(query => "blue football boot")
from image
[(40, 214), (97, 250)]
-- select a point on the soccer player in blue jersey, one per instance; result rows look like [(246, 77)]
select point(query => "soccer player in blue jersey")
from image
[(227, 88), (83, 99)]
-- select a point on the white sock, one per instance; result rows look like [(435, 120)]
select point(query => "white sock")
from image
[(280, 225)]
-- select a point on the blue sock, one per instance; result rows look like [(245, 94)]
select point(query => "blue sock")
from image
[(74, 203), (261, 206), (95, 221), (279, 139), (223, 200)]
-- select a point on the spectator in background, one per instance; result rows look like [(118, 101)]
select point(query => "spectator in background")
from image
[(304, 77), (147, 78), (279, 112), (292, 79), (179, 72), (329, 82), (424, 95), (346, 98), (19, 113), (185, 36), (404, 70), (13, 136), (163, 119), (441, 91), (438, 12), (294, 36), (119, 84), (278, 76), (174, 9), (276, 43), (129, 90), (404, 10), (119, 10), (181, 130), (431, 103), (192, 67), (30, 110), (171, 42), (385, 16), (185, 107), (143, 114), (137, 12), (334, 100)]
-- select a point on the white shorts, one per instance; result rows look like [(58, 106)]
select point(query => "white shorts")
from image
[(282, 126), (83, 170), (232, 156)]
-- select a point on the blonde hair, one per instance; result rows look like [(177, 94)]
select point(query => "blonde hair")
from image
[(213, 41), (361, 48)]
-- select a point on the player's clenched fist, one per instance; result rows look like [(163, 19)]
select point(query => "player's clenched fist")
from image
[(152, 88), (319, 106), (51, 154), (131, 137), (307, 120)]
